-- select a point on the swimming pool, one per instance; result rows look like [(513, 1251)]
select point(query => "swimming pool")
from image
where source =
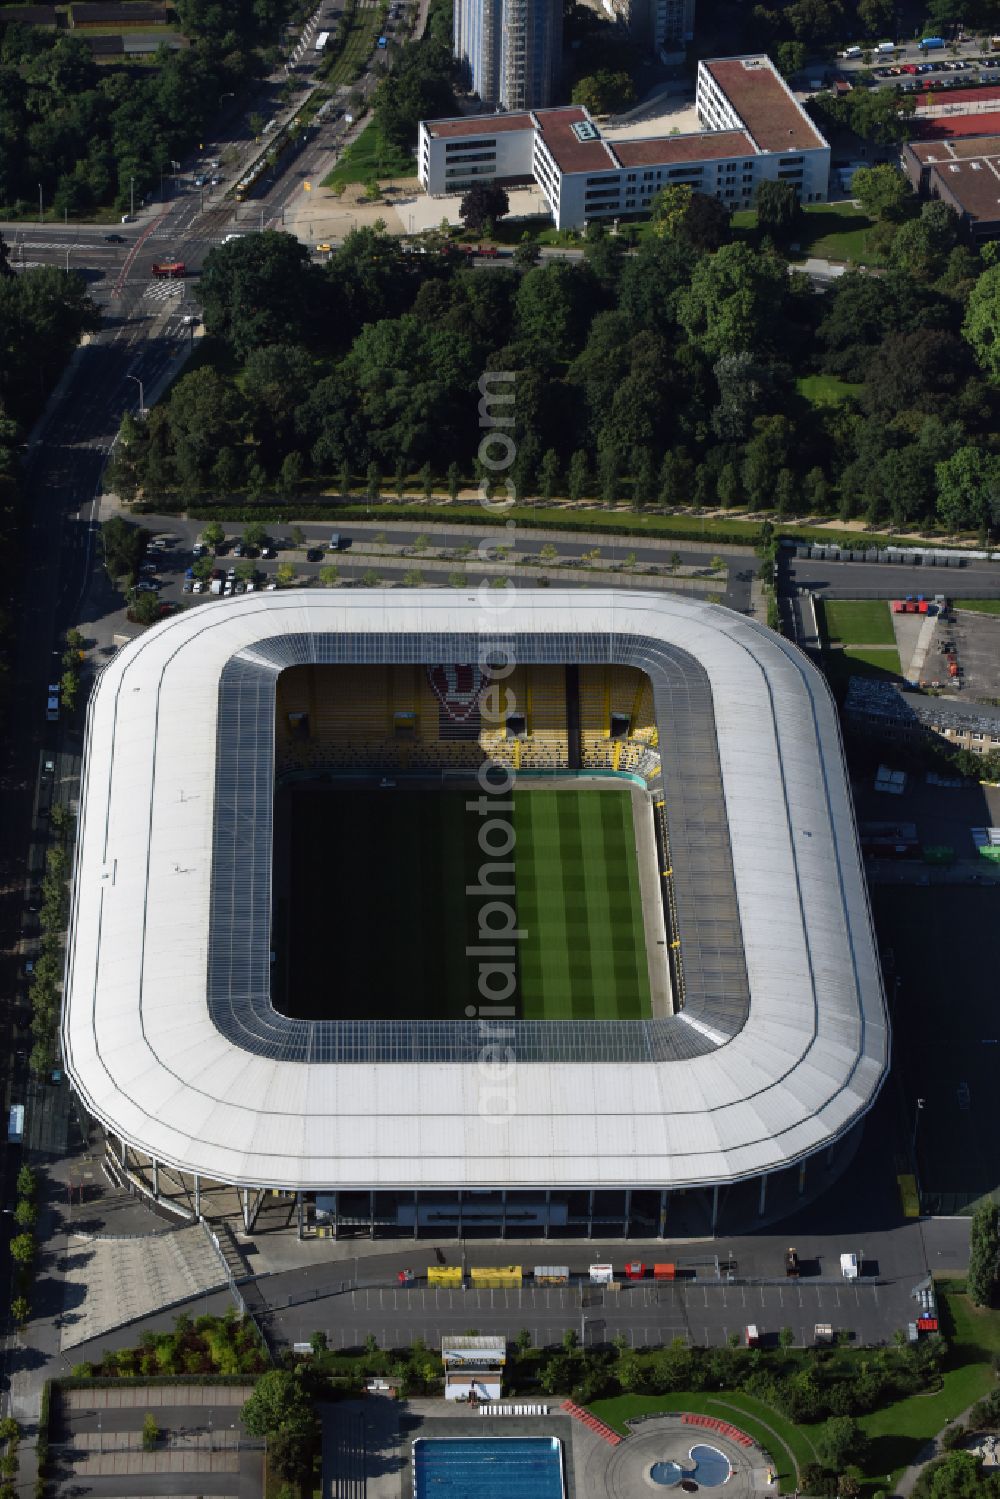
[(487, 1468), (709, 1469)]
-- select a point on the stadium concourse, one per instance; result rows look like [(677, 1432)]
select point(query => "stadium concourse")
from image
[(732, 1030)]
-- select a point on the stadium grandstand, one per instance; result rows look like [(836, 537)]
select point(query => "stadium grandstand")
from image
[(315, 827)]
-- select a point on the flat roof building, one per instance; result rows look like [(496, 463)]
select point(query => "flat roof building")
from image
[(963, 172), (754, 130), (169, 1033)]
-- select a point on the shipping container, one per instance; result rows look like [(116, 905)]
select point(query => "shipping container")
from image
[(444, 1275), (550, 1275), (665, 1272), (491, 1277), (635, 1270)]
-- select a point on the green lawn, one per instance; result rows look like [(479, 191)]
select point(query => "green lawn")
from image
[(826, 390), (371, 156), (828, 231), (576, 871), (778, 1437), (979, 606), (856, 622), (899, 1431)]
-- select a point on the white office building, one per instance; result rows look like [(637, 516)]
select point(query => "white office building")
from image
[(754, 130)]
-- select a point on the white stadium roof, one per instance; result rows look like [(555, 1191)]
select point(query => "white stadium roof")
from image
[(168, 1032)]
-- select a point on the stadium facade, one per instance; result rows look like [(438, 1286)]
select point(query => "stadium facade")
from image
[(778, 1041)]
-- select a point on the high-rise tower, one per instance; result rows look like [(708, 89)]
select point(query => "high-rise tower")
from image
[(511, 50)]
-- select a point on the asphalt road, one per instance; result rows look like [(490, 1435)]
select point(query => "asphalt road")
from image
[(871, 580)]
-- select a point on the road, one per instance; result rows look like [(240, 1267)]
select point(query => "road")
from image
[(870, 580)]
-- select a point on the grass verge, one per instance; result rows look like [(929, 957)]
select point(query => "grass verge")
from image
[(855, 622), (370, 156), (826, 390), (979, 606)]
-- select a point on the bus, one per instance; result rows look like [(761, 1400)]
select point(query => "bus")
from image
[(321, 41), (169, 268)]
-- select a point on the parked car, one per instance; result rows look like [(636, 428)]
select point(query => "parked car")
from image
[(187, 586)]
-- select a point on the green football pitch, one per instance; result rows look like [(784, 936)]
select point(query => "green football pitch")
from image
[(378, 920)]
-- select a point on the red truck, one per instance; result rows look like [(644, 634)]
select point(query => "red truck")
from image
[(169, 268)]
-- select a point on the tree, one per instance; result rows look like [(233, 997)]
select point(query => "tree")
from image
[(25, 1213), (69, 684), (291, 1457), (124, 547), (526, 254), (22, 1248), (690, 218), (882, 191), (150, 1432), (841, 1441), (982, 321), (735, 301), (785, 490), (578, 477), (643, 478), (292, 469), (20, 1310), (727, 485), (144, 608), (329, 575), (254, 535), (778, 208), (213, 535), (968, 489), (373, 483), (604, 92), (676, 478), (263, 289), (413, 578), (284, 574), (279, 1403), (27, 1182), (984, 1254), (484, 203), (454, 480)]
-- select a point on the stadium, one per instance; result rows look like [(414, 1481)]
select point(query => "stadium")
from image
[(509, 914)]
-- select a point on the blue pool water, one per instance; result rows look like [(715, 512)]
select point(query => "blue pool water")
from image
[(666, 1473), (487, 1468), (711, 1469)]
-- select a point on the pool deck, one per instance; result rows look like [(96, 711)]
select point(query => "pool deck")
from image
[(374, 1437)]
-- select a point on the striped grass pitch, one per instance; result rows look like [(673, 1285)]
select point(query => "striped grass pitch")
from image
[(380, 918), (584, 952)]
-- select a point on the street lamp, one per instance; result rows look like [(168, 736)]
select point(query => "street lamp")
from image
[(40, 211), (142, 399), (131, 191), (916, 1120)]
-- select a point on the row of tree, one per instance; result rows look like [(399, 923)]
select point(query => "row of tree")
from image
[(665, 374)]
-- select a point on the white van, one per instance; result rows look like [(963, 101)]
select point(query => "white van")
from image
[(886, 48), (851, 52)]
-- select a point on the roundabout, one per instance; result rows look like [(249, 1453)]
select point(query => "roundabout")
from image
[(675, 1455)]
